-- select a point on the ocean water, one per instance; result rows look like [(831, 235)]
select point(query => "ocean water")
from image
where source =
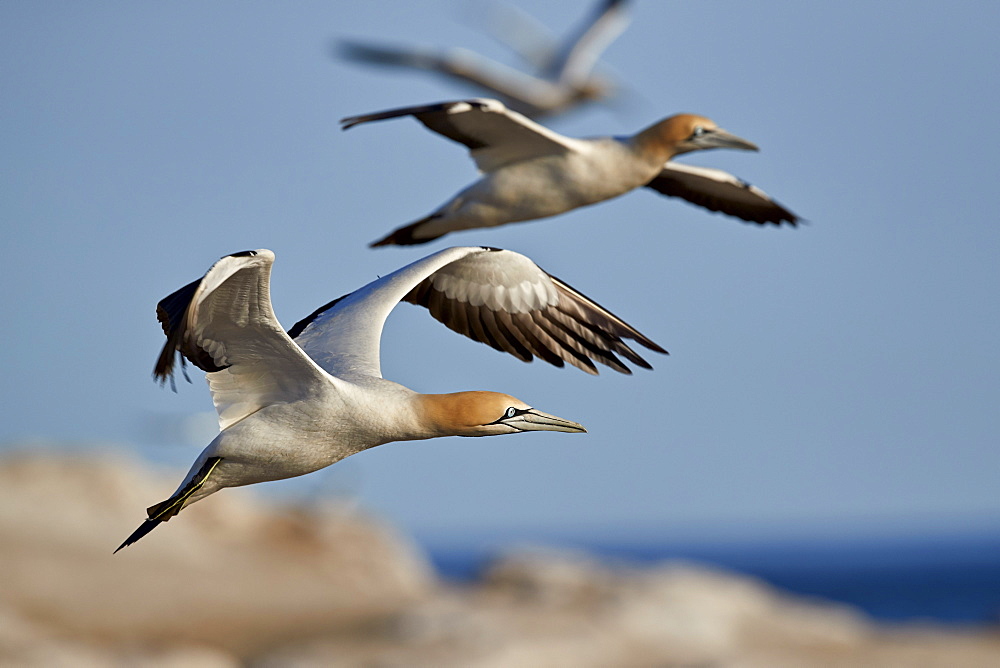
[(949, 580)]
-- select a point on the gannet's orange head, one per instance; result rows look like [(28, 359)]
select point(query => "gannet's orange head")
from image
[(486, 414), (684, 133)]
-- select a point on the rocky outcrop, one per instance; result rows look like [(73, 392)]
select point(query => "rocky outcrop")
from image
[(228, 574), (237, 582), (557, 609)]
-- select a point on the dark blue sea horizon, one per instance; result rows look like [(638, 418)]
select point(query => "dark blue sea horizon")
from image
[(950, 580)]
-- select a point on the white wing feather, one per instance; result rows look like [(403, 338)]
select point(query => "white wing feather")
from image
[(226, 326)]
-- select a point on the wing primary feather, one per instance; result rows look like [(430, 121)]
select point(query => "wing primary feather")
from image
[(434, 117), (519, 346), (404, 236), (301, 325), (571, 315), (456, 315), (526, 325), (740, 199), (491, 326), (600, 348), (574, 329), (172, 312), (565, 349), (587, 345), (349, 122), (445, 309), (460, 321), (477, 328), (616, 324), (434, 304)]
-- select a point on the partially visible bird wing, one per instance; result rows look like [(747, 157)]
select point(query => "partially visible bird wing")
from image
[(527, 94), (576, 62), (496, 297), (503, 299), (530, 39), (223, 323), (344, 336), (717, 190), (495, 135)]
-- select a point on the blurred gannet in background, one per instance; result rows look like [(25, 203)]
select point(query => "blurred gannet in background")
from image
[(565, 76), (532, 172), (292, 403)]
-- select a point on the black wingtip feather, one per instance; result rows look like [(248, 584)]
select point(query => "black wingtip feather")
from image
[(301, 325), (143, 529), (404, 236), (618, 326), (171, 311), (350, 121)]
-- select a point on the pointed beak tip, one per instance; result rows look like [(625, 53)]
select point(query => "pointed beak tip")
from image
[(540, 421), (740, 143), (726, 139)]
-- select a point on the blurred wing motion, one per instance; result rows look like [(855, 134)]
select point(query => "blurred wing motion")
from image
[(527, 94), (494, 135), (574, 65), (717, 190), (565, 73)]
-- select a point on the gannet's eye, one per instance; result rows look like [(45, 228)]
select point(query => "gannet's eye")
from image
[(698, 131), (509, 413)]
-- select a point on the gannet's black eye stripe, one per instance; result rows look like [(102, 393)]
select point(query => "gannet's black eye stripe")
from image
[(509, 413)]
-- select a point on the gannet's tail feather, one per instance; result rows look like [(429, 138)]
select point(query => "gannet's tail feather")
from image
[(163, 511)]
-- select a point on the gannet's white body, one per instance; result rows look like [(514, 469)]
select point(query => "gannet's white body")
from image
[(292, 403), (531, 172)]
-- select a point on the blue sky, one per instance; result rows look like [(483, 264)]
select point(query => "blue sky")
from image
[(836, 376)]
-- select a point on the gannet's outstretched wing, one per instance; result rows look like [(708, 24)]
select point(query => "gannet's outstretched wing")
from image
[(496, 297)]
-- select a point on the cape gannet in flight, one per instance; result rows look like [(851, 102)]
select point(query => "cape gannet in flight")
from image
[(532, 172), (565, 73), (292, 403)]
